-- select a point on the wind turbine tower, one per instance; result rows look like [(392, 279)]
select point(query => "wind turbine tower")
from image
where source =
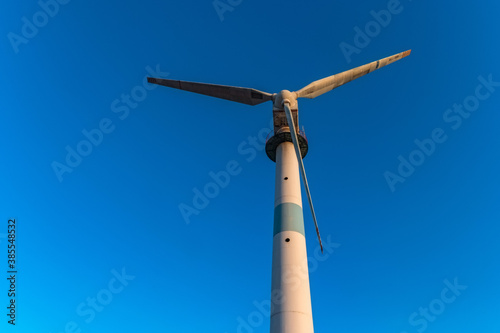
[(291, 310)]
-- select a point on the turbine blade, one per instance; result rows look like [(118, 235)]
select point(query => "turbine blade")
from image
[(291, 124), (235, 94), (326, 84)]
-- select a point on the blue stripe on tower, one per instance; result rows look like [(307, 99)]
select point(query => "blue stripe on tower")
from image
[(288, 217)]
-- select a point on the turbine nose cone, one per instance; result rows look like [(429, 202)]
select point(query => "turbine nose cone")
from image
[(285, 96)]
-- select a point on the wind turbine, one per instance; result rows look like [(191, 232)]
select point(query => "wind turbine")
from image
[(291, 310)]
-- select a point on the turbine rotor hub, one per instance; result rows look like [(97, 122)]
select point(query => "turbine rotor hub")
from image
[(285, 96)]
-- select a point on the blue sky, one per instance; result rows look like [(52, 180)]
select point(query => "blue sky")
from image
[(105, 248)]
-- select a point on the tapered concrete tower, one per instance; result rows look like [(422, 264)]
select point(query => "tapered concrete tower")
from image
[(291, 310), (290, 296)]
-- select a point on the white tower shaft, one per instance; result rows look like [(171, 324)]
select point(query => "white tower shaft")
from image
[(291, 310)]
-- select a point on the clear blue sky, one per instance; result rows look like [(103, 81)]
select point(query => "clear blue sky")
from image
[(117, 212)]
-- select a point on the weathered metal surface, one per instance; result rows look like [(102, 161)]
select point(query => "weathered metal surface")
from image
[(236, 94), (322, 86), (283, 135)]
